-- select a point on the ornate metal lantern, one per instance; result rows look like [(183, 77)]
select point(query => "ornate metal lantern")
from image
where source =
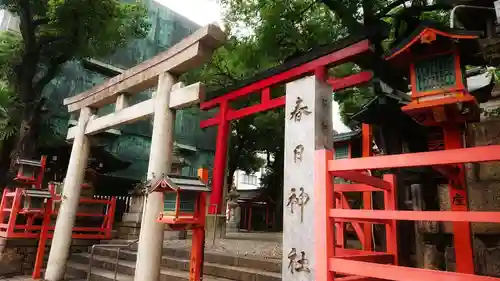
[(435, 58), (31, 172), (35, 199), (183, 200)]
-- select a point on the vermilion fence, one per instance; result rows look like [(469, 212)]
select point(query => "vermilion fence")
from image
[(336, 262)]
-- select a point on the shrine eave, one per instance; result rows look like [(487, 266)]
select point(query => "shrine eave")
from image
[(347, 136), (182, 183), (381, 110), (424, 29), (288, 64)]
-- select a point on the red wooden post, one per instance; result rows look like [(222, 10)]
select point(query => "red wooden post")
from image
[(110, 217), (39, 178), (323, 224), (219, 169), (391, 235), (339, 227), (44, 235), (459, 202), (16, 203), (198, 244), (267, 215), (367, 143), (3, 203), (249, 225), (29, 223)]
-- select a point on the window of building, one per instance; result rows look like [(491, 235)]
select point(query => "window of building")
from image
[(341, 151), (250, 179)]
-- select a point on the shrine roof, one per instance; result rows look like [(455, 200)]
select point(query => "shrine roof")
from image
[(288, 64), (100, 159), (383, 109), (182, 183), (254, 196), (347, 136), (439, 30)]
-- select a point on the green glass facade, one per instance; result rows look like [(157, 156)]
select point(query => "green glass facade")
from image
[(193, 144)]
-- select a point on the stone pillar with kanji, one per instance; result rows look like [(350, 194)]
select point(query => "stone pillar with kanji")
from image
[(308, 127)]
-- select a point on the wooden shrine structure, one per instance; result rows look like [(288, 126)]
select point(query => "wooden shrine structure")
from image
[(28, 208)]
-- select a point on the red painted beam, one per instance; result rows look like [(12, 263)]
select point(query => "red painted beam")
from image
[(443, 157), (214, 121), (383, 216), (356, 278), (264, 106), (360, 177), (355, 252), (356, 226), (336, 57), (339, 84), (355, 187), (399, 273), (372, 257)]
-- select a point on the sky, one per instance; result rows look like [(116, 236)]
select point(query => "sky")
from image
[(201, 12), (204, 12)]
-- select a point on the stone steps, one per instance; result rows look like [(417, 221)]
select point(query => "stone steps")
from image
[(175, 266), (126, 271), (261, 263)]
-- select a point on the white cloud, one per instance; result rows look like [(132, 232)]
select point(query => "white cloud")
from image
[(201, 12)]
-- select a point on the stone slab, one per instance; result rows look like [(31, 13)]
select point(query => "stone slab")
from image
[(215, 225), (308, 127), (483, 196), (482, 134)]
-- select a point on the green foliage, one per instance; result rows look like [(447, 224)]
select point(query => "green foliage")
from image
[(10, 53), (266, 33), (51, 33), (7, 127)]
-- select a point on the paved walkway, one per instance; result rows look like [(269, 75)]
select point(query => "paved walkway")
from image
[(28, 278), (266, 245)]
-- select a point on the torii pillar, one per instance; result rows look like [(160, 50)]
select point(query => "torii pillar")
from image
[(161, 71)]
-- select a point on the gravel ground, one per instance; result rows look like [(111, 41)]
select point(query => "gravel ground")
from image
[(266, 245)]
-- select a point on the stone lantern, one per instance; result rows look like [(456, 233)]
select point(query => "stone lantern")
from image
[(234, 210)]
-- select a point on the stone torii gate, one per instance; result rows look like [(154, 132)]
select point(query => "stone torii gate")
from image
[(161, 72)]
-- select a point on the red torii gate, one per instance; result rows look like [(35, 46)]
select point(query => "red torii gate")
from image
[(344, 51)]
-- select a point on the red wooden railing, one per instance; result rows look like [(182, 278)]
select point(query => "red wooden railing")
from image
[(334, 261)]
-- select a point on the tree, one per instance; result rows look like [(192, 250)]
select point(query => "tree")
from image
[(53, 32), (266, 33), (273, 32)]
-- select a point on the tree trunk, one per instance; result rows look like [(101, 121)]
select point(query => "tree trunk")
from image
[(5, 175), (26, 145)]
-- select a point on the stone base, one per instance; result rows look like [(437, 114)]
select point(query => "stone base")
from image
[(482, 197), (132, 230), (128, 230), (17, 256), (215, 225), (175, 235), (132, 217)]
